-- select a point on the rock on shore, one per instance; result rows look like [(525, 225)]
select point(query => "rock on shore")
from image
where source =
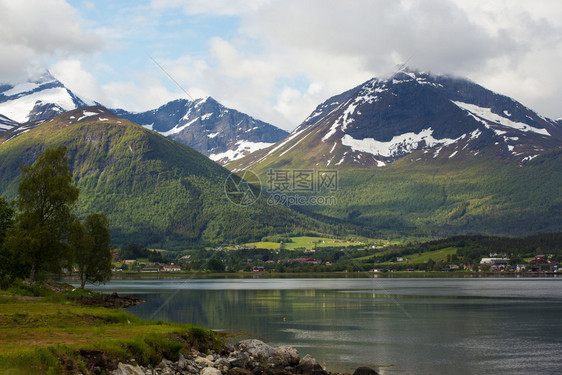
[(113, 301), (247, 357)]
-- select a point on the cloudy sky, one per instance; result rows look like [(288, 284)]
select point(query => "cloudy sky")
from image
[(278, 59)]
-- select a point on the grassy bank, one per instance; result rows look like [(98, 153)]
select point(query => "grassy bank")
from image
[(50, 335)]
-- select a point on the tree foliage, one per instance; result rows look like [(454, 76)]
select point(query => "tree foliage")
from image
[(92, 253), (215, 265), (6, 219), (136, 251), (46, 235), (46, 198)]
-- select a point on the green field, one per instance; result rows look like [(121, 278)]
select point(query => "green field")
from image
[(316, 242), (306, 242), (264, 245), (436, 255)]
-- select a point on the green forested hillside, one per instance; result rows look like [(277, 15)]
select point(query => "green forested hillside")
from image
[(441, 196), (480, 195), (155, 191)]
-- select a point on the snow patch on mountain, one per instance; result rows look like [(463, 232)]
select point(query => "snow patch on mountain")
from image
[(475, 134), (529, 158), (176, 129), (21, 88), (242, 149), (18, 109), (368, 94), (86, 114), (398, 145), (342, 122), (490, 117)]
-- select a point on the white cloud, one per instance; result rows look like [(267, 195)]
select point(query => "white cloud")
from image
[(142, 93), (512, 47), (285, 57), (71, 73), (215, 7), (31, 31), (89, 5), (138, 95)]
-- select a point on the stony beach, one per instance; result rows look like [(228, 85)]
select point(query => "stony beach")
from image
[(247, 357)]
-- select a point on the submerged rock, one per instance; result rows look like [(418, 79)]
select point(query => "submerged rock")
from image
[(309, 366), (365, 371)]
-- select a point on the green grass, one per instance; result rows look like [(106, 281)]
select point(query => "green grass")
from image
[(436, 255), (45, 337)]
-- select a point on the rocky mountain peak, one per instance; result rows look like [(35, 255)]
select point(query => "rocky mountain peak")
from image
[(221, 133)]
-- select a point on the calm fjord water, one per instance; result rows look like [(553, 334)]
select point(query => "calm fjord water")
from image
[(401, 326)]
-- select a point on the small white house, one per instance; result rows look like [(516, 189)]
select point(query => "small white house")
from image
[(171, 268), (495, 261)]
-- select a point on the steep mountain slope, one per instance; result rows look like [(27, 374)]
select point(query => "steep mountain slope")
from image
[(39, 99), (218, 132), (7, 123), (420, 152), (154, 190)]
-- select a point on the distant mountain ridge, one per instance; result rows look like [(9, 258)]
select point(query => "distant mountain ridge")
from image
[(221, 133), (218, 132)]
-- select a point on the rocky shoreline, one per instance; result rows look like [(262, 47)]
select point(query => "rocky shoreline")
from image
[(112, 301), (247, 357)]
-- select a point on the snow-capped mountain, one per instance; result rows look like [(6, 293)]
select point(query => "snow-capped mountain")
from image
[(423, 153), (221, 133), (381, 121), (38, 99), (218, 132)]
